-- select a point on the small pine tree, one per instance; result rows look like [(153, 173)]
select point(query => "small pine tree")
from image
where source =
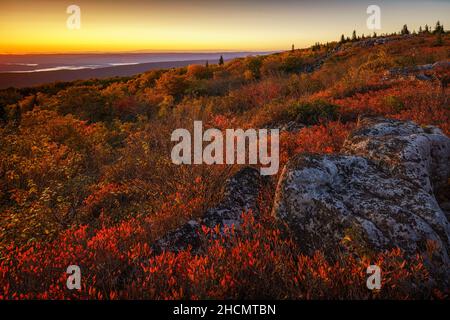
[(221, 61), (427, 29), (420, 30), (316, 46), (293, 48), (374, 35), (207, 64), (438, 27), (354, 37), (405, 30), (342, 39)]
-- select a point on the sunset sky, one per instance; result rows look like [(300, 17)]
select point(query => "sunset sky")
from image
[(28, 26)]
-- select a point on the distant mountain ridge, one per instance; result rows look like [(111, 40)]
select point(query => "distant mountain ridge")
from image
[(36, 69)]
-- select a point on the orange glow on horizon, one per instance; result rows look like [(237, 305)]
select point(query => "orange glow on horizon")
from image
[(30, 27)]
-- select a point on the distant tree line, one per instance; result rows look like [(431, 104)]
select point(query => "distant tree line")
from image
[(438, 31)]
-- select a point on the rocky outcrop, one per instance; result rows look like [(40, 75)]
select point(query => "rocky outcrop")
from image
[(380, 191), (405, 149), (370, 42), (381, 188), (240, 195), (426, 72)]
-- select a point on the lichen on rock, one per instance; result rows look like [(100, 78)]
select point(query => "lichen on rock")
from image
[(382, 185)]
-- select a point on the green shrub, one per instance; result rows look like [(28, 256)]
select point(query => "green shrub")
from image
[(312, 113), (254, 65), (292, 64), (395, 103)]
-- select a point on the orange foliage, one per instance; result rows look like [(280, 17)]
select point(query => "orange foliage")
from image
[(322, 138), (255, 262), (86, 176)]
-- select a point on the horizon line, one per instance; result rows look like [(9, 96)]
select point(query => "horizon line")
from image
[(144, 51)]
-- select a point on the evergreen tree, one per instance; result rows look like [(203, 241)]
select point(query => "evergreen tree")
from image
[(354, 37), (316, 46), (427, 29), (438, 31), (405, 30), (293, 48), (374, 35), (221, 61), (342, 39), (207, 64), (438, 27), (420, 30)]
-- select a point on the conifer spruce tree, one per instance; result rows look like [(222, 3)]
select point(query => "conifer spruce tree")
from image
[(438, 27), (405, 30)]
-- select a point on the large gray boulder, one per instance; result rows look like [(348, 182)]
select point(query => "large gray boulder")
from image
[(419, 154), (381, 187)]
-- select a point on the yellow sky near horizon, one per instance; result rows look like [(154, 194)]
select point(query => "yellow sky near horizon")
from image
[(135, 25)]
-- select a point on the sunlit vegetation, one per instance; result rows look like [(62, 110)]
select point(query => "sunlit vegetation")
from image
[(86, 176)]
